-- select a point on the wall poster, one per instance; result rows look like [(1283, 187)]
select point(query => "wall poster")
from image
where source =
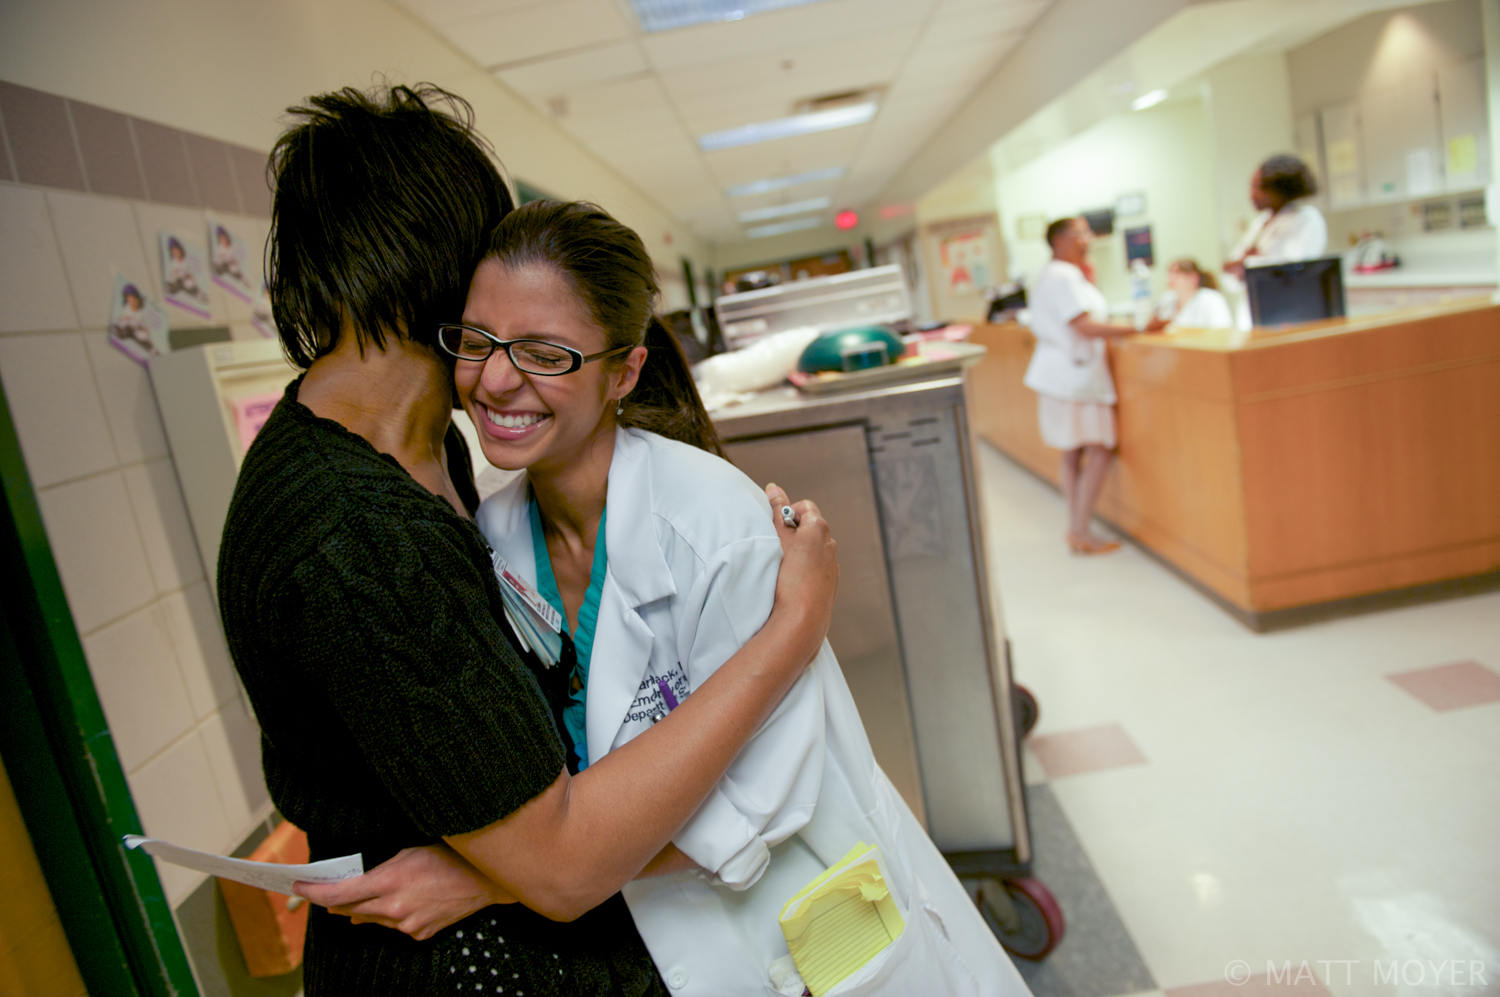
[(227, 255), (183, 275), (137, 325)]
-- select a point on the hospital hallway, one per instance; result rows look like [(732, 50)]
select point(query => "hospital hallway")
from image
[(1215, 807)]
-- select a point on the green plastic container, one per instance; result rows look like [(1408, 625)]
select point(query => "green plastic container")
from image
[(851, 349)]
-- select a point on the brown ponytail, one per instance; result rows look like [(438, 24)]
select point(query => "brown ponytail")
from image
[(609, 269), (665, 400)]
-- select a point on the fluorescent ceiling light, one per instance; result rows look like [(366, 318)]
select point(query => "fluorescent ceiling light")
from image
[(781, 228), (780, 210), (664, 15), (781, 183), (797, 124), (1150, 99)]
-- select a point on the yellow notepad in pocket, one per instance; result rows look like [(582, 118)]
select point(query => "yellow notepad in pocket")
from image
[(842, 919)]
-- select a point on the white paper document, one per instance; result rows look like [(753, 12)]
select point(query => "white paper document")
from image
[(271, 876)]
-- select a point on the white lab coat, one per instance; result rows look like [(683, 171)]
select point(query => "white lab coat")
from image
[(1066, 364), (1297, 232), (692, 563), (1206, 309)]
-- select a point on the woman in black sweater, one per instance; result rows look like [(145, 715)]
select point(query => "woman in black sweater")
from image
[(364, 617)]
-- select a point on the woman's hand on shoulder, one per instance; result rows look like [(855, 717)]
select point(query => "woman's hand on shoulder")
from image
[(809, 577), (418, 891)]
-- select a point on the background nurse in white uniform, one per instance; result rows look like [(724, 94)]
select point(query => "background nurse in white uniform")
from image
[(1193, 300), (1288, 228), (1069, 371)]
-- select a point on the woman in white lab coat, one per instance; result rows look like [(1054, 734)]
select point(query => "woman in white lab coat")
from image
[(1287, 228), (1195, 301), (657, 555)]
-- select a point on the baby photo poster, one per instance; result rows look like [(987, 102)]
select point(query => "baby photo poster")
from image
[(137, 325), (183, 275), (227, 256)]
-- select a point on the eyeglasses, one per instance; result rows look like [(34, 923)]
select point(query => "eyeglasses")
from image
[(532, 356)]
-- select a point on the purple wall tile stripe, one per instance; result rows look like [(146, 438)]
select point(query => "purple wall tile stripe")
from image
[(109, 157), (250, 176), (7, 171), (41, 137), (53, 142), (169, 180), (212, 176)]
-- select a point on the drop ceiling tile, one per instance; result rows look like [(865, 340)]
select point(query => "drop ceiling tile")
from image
[(828, 22), (786, 156), (496, 40), (576, 70), (982, 18), (814, 69), (438, 12), (629, 97)]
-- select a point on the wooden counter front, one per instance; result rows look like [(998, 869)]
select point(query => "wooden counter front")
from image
[(1304, 466)]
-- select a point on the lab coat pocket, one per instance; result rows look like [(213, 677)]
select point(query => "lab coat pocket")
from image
[(921, 961)]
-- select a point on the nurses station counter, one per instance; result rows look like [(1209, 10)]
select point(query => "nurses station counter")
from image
[(1305, 466)]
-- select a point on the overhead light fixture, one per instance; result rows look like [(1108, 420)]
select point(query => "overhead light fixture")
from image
[(664, 15), (781, 183), (1149, 99), (797, 124), (781, 228), (782, 210)]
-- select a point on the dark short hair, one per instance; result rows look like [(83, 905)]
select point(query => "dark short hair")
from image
[(131, 291), (172, 244), (1056, 229), (383, 205), (607, 266), (1288, 177)]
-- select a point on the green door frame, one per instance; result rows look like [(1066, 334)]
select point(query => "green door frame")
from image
[(67, 777)]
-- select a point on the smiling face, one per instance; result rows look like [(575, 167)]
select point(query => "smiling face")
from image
[(525, 420)]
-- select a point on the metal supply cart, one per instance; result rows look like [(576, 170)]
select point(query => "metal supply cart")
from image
[(917, 627)]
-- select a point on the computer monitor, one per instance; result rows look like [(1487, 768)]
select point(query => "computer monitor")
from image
[(1306, 291), (1101, 220)]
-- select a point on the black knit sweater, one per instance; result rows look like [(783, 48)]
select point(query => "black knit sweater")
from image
[(363, 616)]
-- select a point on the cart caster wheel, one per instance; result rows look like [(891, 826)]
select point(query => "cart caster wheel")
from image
[(1023, 914), (1025, 705)]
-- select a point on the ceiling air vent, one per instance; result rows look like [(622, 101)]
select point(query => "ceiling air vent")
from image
[(833, 101)]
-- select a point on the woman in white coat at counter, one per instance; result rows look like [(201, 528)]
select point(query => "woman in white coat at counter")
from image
[(1069, 371), (658, 556), (1287, 228), (1196, 302)]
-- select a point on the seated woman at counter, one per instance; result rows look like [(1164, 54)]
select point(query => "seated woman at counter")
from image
[(655, 553), (1195, 301), (1069, 371)]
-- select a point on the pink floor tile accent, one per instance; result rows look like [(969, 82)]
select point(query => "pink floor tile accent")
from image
[(1451, 687), (1257, 986), (1091, 749)]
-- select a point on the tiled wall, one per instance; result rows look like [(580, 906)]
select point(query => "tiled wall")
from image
[(83, 192)]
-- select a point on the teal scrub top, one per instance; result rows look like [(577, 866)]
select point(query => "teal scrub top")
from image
[(576, 711)]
